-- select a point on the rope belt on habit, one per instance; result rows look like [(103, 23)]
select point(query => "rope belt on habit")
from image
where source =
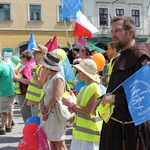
[(121, 121)]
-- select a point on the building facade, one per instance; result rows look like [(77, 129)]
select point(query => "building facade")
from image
[(19, 18), (102, 11)]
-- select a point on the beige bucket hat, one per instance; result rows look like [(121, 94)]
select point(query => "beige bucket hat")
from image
[(89, 67), (50, 61)]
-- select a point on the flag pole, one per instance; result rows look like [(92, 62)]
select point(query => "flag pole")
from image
[(116, 88), (125, 80), (66, 30)]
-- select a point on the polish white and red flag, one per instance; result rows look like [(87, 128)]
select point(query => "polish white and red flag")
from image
[(83, 27)]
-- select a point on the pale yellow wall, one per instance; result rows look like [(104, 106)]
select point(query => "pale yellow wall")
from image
[(20, 16), (18, 30), (10, 39)]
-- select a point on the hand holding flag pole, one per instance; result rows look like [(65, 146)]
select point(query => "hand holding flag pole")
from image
[(137, 90)]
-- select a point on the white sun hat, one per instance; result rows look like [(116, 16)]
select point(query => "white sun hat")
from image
[(88, 67)]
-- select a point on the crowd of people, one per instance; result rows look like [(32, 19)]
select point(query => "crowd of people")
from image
[(39, 94)]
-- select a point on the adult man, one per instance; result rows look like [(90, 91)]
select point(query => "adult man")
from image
[(7, 96), (37, 81), (120, 132)]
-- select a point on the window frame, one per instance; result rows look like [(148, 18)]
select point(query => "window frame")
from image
[(137, 7), (103, 6), (120, 6), (29, 13), (119, 9), (10, 11)]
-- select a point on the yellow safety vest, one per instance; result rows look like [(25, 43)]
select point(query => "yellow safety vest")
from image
[(17, 87), (17, 66), (87, 128), (34, 90), (110, 68)]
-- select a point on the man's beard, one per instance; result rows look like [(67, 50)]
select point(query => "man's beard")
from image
[(120, 45)]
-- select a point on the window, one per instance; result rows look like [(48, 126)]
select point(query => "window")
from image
[(136, 13), (136, 17), (60, 15), (119, 9), (119, 12), (103, 16), (35, 12), (4, 12)]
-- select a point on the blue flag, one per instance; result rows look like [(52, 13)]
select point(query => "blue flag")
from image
[(70, 8), (137, 89), (31, 43), (68, 73)]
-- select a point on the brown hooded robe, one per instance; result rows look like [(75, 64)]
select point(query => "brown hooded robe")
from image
[(113, 133)]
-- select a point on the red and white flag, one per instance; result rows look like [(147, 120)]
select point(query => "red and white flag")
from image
[(83, 26)]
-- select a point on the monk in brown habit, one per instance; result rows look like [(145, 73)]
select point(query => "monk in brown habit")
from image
[(120, 133)]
